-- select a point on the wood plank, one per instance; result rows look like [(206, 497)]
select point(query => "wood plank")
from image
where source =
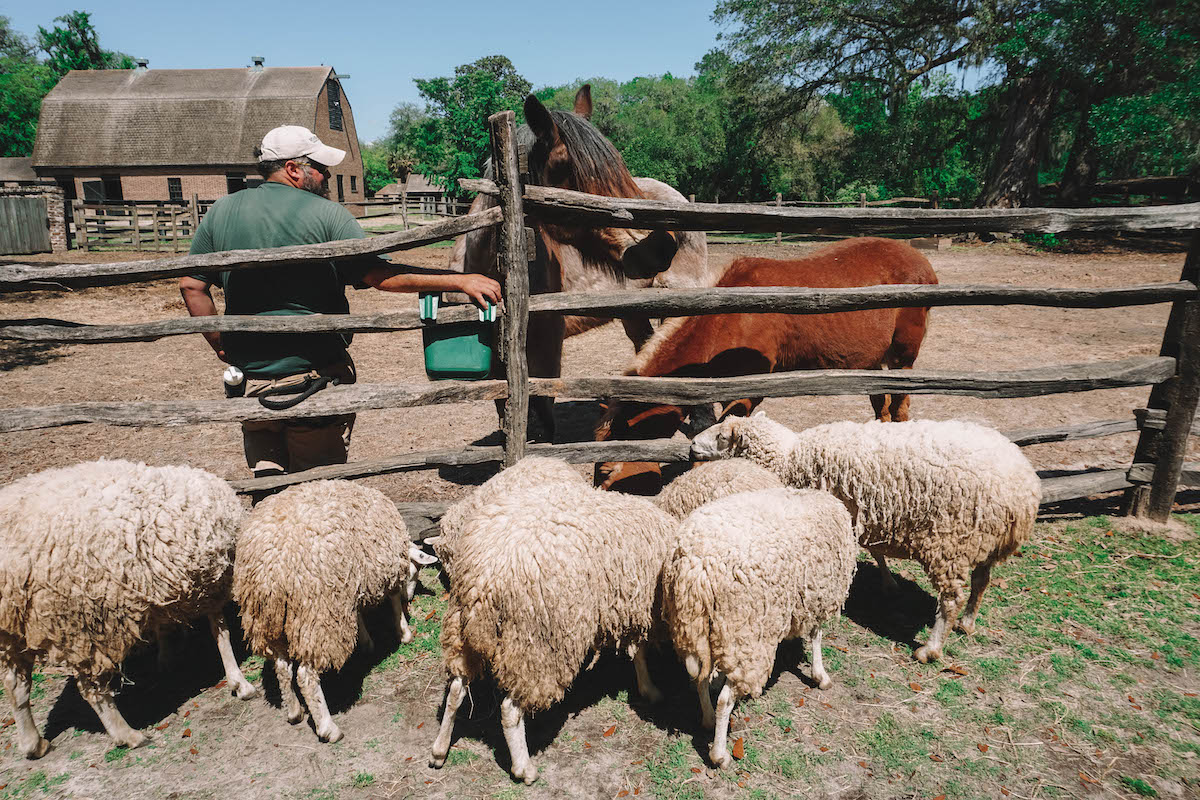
[(514, 274), (1073, 487), (1189, 475), (565, 206), (1016, 383), (1029, 436), (335, 400), (642, 302), (34, 276), (574, 452)]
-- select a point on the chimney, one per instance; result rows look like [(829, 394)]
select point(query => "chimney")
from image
[(258, 63), (142, 63)]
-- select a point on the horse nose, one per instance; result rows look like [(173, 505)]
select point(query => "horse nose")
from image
[(650, 256)]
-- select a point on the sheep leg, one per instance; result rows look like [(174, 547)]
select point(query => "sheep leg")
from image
[(309, 681), (365, 643), (885, 575), (719, 752), (455, 693), (980, 576), (646, 687), (233, 673), (100, 698), (166, 653), (513, 722), (18, 681), (818, 662), (950, 600), (707, 716), (400, 612), (285, 675)]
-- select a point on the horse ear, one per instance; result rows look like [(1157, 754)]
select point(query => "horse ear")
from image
[(583, 101), (540, 121)]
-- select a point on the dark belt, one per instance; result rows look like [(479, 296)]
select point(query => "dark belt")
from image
[(297, 393)]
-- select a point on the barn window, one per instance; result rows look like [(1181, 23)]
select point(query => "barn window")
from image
[(175, 188), (335, 104), (234, 182), (112, 187), (93, 191), (353, 184), (341, 192)]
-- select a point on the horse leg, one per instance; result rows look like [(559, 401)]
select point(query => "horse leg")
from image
[(544, 351), (906, 343), (639, 330)]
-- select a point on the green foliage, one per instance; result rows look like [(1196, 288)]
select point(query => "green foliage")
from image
[(375, 171), (362, 780), (75, 45), (453, 141), (1140, 786)]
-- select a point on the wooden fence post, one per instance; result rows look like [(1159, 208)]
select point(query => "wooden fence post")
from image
[(175, 229), (157, 236), (1165, 447), (81, 240), (135, 220), (691, 198), (514, 272), (195, 208), (778, 204), (862, 199)]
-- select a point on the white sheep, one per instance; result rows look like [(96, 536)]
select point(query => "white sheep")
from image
[(95, 558), (749, 571), (713, 480), (310, 559), (541, 577), (529, 472), (956, 497)]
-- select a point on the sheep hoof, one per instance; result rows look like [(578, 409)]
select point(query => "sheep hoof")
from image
[(134, 739), (824, 683), (331, 734), (925, 654), (528, 774), (295, 718), (406, 637), (965, 627), (40, 749), (725, 761), (245, 691), (436, 761)]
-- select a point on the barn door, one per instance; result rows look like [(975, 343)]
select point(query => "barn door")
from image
[(24, 225)]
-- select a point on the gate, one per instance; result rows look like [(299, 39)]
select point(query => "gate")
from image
[(24, 225)]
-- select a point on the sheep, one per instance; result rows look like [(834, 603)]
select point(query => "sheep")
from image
[(310, 559), (713, 480), (541, 577), (96, 557), (528, 472), (955, 496), (747, 572)]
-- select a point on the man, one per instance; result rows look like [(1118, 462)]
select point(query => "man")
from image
[(291, 208)]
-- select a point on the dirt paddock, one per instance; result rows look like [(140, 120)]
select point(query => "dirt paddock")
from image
[(873, 735)]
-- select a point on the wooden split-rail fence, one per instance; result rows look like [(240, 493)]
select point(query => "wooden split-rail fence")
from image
[(1152, 479), (134, 225)]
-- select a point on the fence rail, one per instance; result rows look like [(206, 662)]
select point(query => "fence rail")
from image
[(137, 225), (1165, 423)]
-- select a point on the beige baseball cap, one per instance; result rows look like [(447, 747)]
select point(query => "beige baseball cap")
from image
[(294, 141)]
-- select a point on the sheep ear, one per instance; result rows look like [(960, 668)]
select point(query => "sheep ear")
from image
[(419, 556), (762, 414)]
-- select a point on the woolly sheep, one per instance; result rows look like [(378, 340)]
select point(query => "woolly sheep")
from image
[(96, 557), (541, 577), (310, 559), (747, 572), (529, 472), (713, 480), (955, 496)]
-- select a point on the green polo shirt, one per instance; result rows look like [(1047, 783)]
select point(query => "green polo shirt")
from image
[(277, 215)]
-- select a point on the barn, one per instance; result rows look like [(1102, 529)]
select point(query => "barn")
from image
[(166, 134)]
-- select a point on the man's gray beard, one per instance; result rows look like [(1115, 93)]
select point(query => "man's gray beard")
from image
[(318, 187)]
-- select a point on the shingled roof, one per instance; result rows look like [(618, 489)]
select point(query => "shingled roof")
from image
[(171, 117)]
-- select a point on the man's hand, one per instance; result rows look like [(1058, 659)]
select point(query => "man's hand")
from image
[(480, 288)]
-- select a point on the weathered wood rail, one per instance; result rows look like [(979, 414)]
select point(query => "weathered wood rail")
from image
[(1157, 467)]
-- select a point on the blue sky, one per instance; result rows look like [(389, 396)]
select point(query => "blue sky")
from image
[(383, 46)]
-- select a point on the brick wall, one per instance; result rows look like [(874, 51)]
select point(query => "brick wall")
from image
[(345, 139), (54, 210)]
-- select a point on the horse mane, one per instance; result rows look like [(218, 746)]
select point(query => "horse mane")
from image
[(595, 164)]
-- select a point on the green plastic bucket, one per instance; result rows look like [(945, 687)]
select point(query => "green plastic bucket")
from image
[(457, 350)]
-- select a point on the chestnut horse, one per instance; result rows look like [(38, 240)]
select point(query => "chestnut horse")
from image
[(722, 345), (566, 151)]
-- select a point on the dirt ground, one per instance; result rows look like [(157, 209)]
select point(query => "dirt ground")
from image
[(210, 745)]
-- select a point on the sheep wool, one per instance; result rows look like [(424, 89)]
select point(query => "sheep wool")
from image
[(749, 571), (712, 480), (529, 472), (957, 497), (541, 577), (309, 560), (96, 557)]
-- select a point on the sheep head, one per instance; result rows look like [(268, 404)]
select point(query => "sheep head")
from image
[(757, 438)]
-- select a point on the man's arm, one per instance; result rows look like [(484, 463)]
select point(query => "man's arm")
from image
[(197, 297), (480, 288)]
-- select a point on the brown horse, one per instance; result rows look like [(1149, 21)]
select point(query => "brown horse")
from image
[(722, 345), (566, 151)]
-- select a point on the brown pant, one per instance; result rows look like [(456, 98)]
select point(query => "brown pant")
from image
[(274, 447)]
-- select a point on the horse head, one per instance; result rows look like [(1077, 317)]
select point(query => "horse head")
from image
[(568, 152)]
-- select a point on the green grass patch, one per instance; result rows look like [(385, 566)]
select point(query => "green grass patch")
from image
[(1138, 785), (362, 780), (116, 754)]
